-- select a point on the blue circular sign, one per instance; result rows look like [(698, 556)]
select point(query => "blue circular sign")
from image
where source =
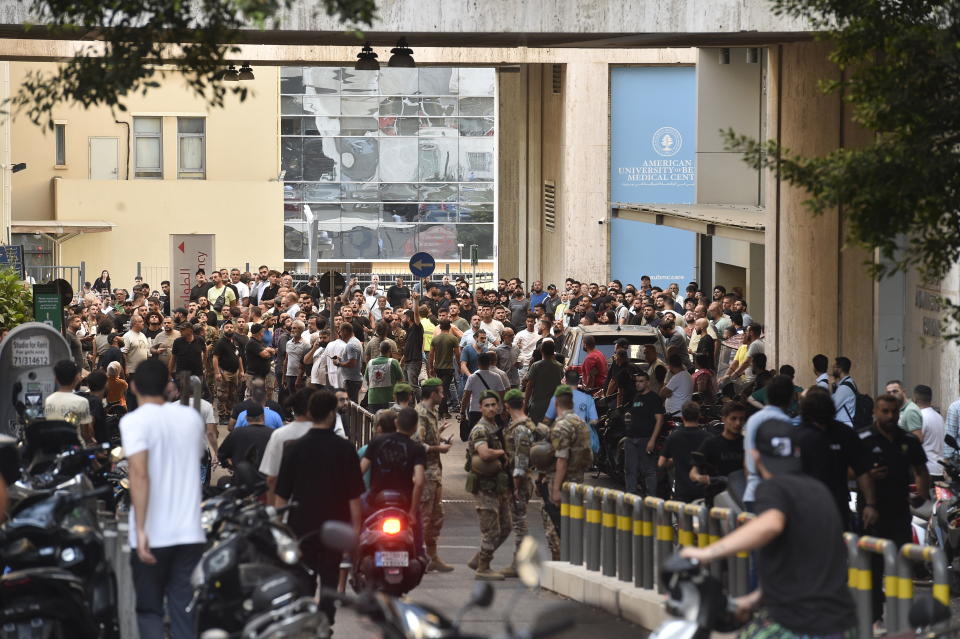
[(422, 264)]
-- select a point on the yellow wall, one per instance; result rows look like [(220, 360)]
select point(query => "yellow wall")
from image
[(243, 215), (242, 140)]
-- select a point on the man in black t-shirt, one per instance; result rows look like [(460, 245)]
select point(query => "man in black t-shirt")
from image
[(644, 421), (829, 450), (722, 454), (802, 560), (247, 443), (397, 293), (259, 356), (227, 370), (187, 352), (396, 462), (678, 452), (320, 472)]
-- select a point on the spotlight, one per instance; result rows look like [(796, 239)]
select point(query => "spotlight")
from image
[(402, 55), (230, 75), (724, 56), (246, 72), (367, 59)]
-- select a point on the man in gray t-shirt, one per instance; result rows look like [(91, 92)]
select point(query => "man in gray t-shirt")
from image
[(350, 362)]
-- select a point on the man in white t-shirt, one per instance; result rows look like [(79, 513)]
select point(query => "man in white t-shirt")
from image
[(243, 291), (67, 405), (934, 431), (136, 345), (679, 388), (491, 326), (163, 443)]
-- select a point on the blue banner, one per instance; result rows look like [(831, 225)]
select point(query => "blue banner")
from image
[(666, 254), (652, 136)]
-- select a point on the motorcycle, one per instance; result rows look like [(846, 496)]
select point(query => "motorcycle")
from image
[(56, 579), (697, 599), (250, 583), (939, 520), (611, 428), (404, 619), (387, 558)]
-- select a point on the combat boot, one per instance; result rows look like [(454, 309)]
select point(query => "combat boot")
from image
[(436, 564), (510, 572), (472, 564), (485, 573)]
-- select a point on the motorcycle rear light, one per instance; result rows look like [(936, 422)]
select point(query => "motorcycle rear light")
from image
[(391, 526), (942, 493)]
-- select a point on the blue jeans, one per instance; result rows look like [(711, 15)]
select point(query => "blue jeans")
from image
[(168, 579)]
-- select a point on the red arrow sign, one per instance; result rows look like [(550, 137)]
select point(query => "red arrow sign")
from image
[(181, 247)]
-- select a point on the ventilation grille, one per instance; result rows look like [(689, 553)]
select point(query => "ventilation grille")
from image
[(557, 78), (549, 205)]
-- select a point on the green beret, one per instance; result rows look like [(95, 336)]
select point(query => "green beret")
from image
[(562, 389), (402, 387), (489, 394), (430, 382), (513, 393)]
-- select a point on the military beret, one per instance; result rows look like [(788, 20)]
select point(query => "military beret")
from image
[(402, 387), (430, 382), (513, 393), (489, 394), (562, 389)]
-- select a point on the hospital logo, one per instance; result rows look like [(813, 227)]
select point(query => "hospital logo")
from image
[(667, 141)]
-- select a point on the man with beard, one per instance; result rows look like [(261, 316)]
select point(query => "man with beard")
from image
[(227, 370)]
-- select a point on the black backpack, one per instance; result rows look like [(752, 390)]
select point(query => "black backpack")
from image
[(862, 417)]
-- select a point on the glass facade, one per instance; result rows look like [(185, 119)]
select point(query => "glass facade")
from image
[(382, 164)]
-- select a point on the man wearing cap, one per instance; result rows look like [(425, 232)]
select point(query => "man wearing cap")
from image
[(490, 487), (403, 397), (570, 439), (802, 562), (431, 499), (518, 437)]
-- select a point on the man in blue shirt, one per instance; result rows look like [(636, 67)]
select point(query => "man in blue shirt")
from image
[(537, 294), (470, 354), (583, 404), (845, 396), (779, 395)]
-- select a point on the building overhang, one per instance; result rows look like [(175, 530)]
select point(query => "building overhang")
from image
[(60, 230), (731, 221)]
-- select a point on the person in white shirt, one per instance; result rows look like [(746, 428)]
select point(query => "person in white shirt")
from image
[(679, 388), (163, 443), (136, 345), (934, 430), (820, 364), (331, 355), (243, 291), (526, 342), (845, 396), (491, 326), (65, 404)]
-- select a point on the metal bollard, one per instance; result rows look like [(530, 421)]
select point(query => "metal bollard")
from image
[(684, 538), (645, 557), (576, 524), (938, 562), (608, 521), (859, 579), (566, 492), (891, 586), (664, 538), (126, 597), (723, 521), (624, 537), (591, 500), (743, 560)]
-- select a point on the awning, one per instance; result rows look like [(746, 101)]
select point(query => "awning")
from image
[(60, 230), (736, 222)]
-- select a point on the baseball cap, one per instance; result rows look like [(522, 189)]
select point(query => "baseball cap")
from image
[(776, 441)]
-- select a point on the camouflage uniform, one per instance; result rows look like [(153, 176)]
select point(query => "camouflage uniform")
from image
[(517, 439), (493, 507), (570, 439), (210, 337), (431, 505)]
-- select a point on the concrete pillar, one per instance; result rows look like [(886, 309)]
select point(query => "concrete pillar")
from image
[(818, 291), (6, 205)]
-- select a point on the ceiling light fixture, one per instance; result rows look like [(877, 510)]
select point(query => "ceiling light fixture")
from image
[(402, 55), (367, 59), (230, 75)]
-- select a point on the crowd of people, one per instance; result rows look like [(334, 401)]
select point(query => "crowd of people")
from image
[(271, 351)]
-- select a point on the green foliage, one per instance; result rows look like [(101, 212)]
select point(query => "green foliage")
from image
[(136, 43), (16, 303), (901, 79)]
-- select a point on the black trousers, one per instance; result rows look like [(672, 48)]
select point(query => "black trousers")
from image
[(353, 390), (168, 578), (895, 527), (446, 376), (326, 567)]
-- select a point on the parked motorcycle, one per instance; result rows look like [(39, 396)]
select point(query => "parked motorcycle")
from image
[(387, 558), (56, 579), (697, 599)]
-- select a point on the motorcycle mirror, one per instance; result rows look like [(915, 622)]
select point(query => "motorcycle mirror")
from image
[(927, 611), (338, 535), (553, 621), (116, 454), (482, 594), (951, 441), (529, 562)]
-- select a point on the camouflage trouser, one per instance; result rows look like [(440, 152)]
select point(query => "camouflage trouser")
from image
[(494, 513), (209, 378), (431, 511), (228, 387), (518, 508), (552, 534)]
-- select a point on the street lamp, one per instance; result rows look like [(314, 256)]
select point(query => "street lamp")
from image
[(460, 251)]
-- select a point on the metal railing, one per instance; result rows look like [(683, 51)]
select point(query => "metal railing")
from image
[(73, 274), (359, 425), (626, 536)]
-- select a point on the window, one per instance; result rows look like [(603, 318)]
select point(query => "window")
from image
[(190, 148), (148, 147), (60, 141)]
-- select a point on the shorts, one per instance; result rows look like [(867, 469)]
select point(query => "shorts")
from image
[(763, 626)]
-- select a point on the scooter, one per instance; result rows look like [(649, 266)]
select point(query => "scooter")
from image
[(387, 558), (697, 599)]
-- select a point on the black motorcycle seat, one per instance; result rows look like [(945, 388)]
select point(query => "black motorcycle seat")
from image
[(389, 498)]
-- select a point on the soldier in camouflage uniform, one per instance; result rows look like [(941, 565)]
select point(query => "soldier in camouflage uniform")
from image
[(403, 397), (431, 505), (570, 439), (517, 440), (490, 486)]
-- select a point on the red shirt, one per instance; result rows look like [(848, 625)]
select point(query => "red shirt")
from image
[(594, 363)]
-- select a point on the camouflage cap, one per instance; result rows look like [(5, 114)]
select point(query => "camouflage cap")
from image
[(402, 387), (489, 394), (562, 389), (513, 393), (430, 382)]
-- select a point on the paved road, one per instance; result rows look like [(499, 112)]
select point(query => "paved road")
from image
[(458, 543)]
